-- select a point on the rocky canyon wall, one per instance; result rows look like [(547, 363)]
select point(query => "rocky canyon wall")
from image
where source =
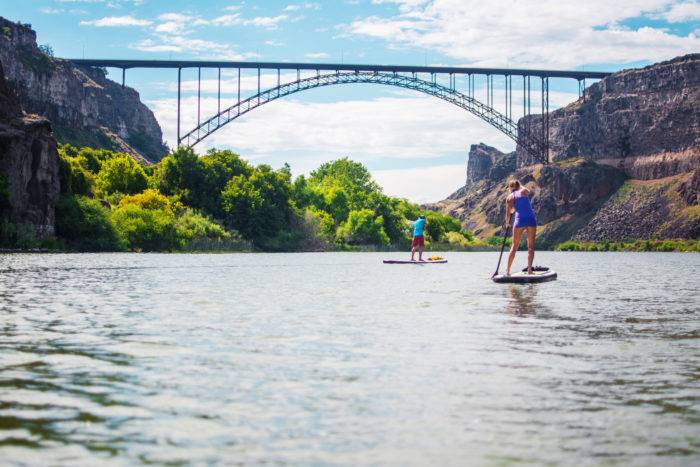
[(84, 107), (29, 182), (625, 163)]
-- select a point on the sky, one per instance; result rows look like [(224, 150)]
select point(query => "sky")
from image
[(415, 145)]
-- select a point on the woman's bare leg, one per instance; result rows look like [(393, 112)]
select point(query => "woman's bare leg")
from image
[(531, 231), (517, 233)]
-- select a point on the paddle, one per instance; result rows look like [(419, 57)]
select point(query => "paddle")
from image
[(503, 245)]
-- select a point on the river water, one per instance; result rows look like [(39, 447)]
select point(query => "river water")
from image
[(337, 359)]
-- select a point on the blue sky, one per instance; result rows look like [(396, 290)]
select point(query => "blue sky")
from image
[(415, 145)]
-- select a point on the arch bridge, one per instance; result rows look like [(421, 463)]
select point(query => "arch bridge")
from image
[(456, 85)]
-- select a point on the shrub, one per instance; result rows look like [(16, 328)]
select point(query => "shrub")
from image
[(468, 234), (75, 178), (46, 49), (121, 174), (362, 228), (457, 239), (85, 225), (191, 227), (145, 229), (498, 241), (438, 224), (569, 246), (324, 221)]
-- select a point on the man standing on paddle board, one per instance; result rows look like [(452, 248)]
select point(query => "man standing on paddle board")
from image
[(418, 238), (517, 201)]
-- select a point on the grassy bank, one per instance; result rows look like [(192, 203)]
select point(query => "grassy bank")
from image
[(637, 245)]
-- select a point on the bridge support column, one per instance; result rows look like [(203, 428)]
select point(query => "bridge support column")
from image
[(545, 119), (199, 94), (123, 77), (218, 98), (179, 84)]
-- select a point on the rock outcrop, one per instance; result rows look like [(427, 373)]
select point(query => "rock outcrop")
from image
[(625, 163), (85, 108), (29, 182), (487, 163), (644, 121)]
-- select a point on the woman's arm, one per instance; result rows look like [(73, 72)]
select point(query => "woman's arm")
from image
[(509, 208), (525, 192)]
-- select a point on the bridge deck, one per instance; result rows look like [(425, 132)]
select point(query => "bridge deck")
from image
[(176, 64)]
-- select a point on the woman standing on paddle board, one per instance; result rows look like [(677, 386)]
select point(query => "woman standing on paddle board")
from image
[(517, 201)]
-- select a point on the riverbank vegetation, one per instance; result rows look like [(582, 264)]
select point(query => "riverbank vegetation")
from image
[(638, 245), (218, 201)]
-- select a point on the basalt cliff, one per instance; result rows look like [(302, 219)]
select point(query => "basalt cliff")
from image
[(29, 182), (624, 163), (84, 107)]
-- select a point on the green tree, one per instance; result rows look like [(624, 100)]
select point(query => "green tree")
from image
[(304, 195), (324, 222), (337, 203), (258, 206), (363, 228), (438, 224), (121, 174), (199, 181), (395, 224), (85, 225), (352, 177)]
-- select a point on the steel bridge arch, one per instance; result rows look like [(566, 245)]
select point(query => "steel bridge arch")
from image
[(523, 138)]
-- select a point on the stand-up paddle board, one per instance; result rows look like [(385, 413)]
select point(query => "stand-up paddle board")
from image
[(398, 261), (525, 278)]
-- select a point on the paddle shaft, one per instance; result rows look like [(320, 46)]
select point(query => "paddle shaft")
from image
[(503, 245)]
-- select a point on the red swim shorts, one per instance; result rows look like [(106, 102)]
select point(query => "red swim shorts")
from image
[(418, 241)]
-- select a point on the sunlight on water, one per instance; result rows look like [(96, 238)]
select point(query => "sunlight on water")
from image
[(339, 359)]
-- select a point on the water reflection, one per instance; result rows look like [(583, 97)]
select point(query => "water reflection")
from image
[(522, 299)]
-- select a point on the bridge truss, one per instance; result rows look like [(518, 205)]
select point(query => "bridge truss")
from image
[(532, 135)]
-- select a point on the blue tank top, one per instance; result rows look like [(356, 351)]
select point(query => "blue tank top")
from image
[(418, 227), (522, 206)]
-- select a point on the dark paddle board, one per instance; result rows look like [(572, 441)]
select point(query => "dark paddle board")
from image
[(525, 278), (398, 261)]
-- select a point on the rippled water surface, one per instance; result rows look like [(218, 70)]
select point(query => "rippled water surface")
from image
[(339, 359)]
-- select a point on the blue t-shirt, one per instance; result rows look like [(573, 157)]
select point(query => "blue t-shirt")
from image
[(418, 227)]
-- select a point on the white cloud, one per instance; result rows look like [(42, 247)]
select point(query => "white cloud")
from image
[(316, 55), (235, 19), (270, 22), (682, 12), (422, 184), (227, 20), (52, 11), (275, 44), (232, 8), (303, 6), (550, 33), (116, 21), (168, 26), (175, 17), (177, 23), (170, 43)]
